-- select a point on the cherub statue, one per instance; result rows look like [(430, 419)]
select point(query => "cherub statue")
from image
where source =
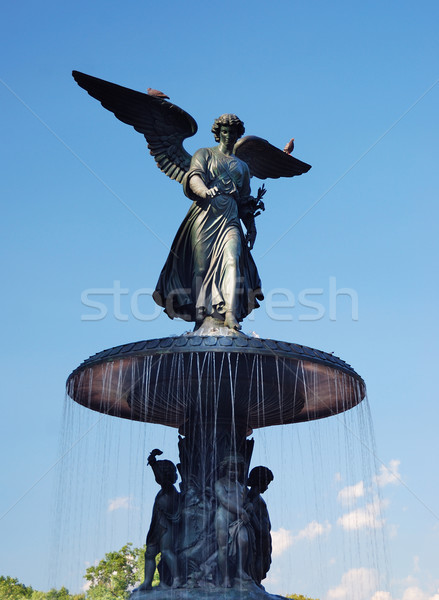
[(234, 532), (210, 272), (162, 534), (259, 480)]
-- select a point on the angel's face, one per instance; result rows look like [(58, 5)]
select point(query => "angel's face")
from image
[(228, 135)]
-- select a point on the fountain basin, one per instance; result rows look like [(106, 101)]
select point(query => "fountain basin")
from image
[(258, 382)]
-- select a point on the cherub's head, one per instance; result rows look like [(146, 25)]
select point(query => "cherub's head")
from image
[(260, 477), (231, 121), (233, 466), (165, 472)]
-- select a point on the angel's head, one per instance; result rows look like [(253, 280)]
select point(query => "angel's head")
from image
[(229, 120)]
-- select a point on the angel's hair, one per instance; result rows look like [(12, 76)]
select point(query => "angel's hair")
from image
[(227, 119)]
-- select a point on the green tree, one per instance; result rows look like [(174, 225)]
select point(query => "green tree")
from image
[(115, 573), (62, 594), (53, 594), (12, 589), (299, 597)]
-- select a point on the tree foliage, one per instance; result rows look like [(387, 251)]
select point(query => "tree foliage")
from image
[(111, 579), (12, 589), (299, 597), (116, 573)]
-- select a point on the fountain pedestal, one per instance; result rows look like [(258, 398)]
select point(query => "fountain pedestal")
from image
[(215, 389)]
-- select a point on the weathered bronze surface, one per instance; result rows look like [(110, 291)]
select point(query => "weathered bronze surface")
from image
[(210, 271), (216, 384)]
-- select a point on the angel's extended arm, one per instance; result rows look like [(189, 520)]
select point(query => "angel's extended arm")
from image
[(195, 182), (199, 188)]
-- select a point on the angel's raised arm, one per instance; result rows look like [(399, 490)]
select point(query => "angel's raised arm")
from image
[(164, 125)]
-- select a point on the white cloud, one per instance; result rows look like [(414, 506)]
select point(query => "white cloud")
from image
[(409, 581), (380, 595), (389, 475), (356, 583), (312, 530), (367, 517), (414, 593), (410, 590), (351, 492), (337, 477), (120, 502), (282, 539)]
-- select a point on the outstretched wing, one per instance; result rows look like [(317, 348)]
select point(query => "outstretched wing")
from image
[(164, 125), (265, 160)]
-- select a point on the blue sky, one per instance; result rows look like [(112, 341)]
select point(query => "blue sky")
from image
[(84, 207)]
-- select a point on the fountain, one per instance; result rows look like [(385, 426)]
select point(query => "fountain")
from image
[(214, 384)]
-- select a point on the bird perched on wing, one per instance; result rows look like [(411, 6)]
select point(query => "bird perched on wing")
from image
[(157, 93), (290, 146)]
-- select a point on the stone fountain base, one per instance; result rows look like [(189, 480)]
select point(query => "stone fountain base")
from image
[(245, 591)]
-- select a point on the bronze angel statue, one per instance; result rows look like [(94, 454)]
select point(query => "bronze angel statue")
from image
[(210, 274)]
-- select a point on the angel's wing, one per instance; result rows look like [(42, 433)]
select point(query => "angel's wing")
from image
[(265, 160), (164, 125)]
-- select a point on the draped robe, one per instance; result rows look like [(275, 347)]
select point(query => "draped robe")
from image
[(210, 269)]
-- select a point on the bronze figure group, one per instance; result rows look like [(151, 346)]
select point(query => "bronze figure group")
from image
[(242, 544)]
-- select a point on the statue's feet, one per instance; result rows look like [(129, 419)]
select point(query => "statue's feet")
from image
[(176, 582), (227, 582), (231, 322), (143, 587)]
